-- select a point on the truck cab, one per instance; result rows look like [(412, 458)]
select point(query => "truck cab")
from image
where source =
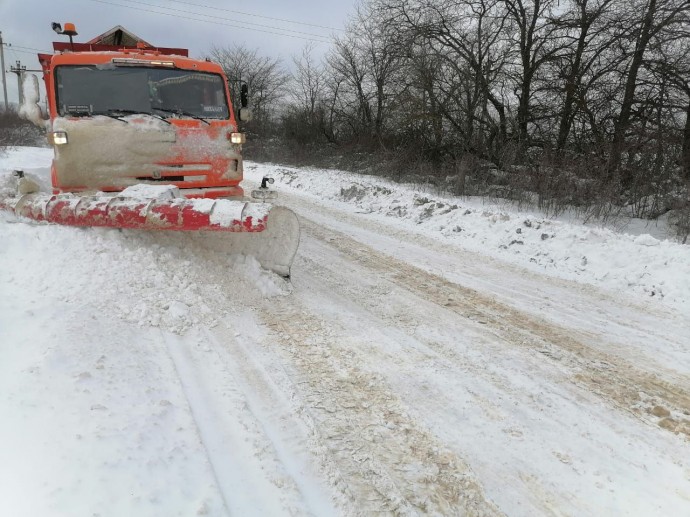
[(123, 116)]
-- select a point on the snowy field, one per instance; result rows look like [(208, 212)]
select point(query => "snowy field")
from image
[(431, 356)]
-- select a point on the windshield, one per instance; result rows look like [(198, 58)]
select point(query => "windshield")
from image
[(107, 89)]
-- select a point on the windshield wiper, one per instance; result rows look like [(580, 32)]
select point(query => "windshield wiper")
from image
[(183, 113), (68, 113), (111, 113)]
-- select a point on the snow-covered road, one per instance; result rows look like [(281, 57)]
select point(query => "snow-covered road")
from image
[(397, 374)]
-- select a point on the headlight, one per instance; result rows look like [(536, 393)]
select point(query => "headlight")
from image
[(237, 138), (58, 137)]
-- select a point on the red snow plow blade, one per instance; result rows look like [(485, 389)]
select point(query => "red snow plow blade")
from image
[(179, 214), (271, 234)]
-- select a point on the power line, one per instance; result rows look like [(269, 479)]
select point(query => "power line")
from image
[(13, 52), (13, 49), (220, 18), (22, 51), (257, 15), (318, 39), (11, 46)]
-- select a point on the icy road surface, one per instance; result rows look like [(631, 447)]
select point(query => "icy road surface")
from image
[(398, 374)]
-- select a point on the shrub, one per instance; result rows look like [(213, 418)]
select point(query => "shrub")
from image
[(17, 131)]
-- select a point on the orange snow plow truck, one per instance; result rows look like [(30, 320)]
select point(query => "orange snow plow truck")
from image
[(146, 138)]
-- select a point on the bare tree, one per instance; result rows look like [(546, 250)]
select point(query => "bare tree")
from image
[(264, 76), (306, 117), (307, 82), (586, 25), (377, 44), (535, 36), (644, 21), (348, 67), (570, 98), (466, 38)]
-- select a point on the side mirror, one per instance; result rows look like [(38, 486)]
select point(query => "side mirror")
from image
[(30, 110), (244, 95), (245, 114)]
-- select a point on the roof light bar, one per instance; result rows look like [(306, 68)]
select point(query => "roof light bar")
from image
[(126, 61)]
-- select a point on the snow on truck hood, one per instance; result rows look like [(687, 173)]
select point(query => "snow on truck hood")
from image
[(97, 147)]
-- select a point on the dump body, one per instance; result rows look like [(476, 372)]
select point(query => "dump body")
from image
[(132, 116)]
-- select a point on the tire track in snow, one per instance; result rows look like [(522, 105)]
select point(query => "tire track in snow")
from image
[(639, 392), (272, 399), (253, 470), (486, 401), (603, 317), (388, 462)]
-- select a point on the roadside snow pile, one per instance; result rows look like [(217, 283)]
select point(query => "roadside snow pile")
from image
[(636, 264), (33, 161), (144, 278), (8, 185)]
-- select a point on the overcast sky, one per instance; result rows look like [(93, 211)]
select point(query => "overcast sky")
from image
[(278, 28)]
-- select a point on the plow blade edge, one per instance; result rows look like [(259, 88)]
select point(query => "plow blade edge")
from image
[(269, 233)]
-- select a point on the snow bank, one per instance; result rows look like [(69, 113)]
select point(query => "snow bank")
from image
[(641, 266), (149, 279)]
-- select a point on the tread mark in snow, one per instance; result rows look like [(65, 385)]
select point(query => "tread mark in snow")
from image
[(391, 464), (249, 475), (624, 385)]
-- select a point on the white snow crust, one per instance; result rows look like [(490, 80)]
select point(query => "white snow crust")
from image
[(144, 192), (633, 263), (421, 361), (226, 212)]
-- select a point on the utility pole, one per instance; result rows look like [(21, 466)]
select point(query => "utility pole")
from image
[(2, 66), (19, 70)]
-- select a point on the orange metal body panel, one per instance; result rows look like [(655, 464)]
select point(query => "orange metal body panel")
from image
[(212, 164)]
